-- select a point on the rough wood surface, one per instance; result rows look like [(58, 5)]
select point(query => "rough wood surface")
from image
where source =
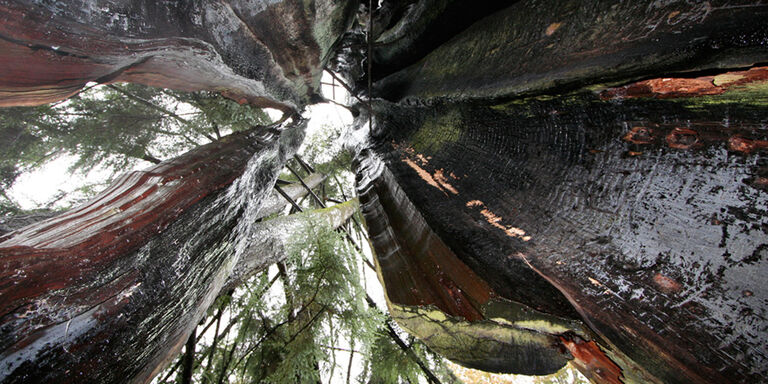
[(264, 52), (110, 290), (643, 213), (537, 46)]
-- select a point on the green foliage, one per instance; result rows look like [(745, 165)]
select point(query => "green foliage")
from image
[(116, 127), (327, 301), (391, 364), (290, 327), (23, 145), (330, 158)]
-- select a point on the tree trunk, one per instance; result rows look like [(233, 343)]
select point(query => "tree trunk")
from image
[(106, 292), (609, 213), (110, 290), (189, 359), (622, 228), (264, 53)]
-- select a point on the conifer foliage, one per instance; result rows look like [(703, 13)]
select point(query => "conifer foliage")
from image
[(114, 127)]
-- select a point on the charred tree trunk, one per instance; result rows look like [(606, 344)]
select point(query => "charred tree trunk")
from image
[(645, 219), (521, 207)]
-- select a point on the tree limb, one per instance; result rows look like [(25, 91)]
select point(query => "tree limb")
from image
[(189, 359)]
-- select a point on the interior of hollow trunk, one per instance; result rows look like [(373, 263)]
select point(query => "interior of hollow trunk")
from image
[(543, 182)]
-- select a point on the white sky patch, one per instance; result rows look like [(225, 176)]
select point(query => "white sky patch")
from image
[(274, 114), (35, 189)]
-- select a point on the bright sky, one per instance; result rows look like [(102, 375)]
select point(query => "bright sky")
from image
[(35, 189)]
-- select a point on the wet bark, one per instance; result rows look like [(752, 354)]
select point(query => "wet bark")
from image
[(109, 291), (405, 33), (106, 292), (601, 211), (621, 226), (634, 214), (12, 223), (264, 53)]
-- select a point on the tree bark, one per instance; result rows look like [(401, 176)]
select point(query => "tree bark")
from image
[(525, 149), (606, 213), (265, 53), (110, 290), (551, 46)]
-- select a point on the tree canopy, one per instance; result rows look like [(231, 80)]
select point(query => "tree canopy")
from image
[(115, 127)]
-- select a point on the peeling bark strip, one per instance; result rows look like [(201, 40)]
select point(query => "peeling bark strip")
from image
[(679, 87), (108, 291), (593, 362), (266, 53)]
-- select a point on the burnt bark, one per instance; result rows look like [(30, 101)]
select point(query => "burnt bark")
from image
[(616, 218), (405, 32), (634, 214), (653, 233), (534, 47)]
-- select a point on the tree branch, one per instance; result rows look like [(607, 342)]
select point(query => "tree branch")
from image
[(408, 351), (149, 104), (215, 129), (189, 359)]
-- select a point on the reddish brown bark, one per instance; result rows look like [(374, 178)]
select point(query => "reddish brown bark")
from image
[(593, 362), (137, 206), (678, 87), (107, 291)]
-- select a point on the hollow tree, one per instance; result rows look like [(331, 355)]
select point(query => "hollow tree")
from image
[(546, 181)]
